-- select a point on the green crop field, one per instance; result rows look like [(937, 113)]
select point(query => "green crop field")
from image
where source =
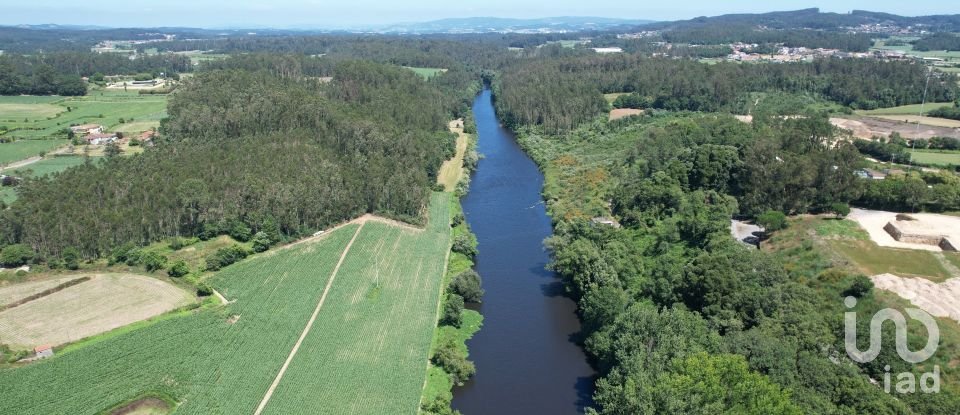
[(366, 353), (51, 165), (913, 109), (426, 73), (935, 157), (23, 149), (38, 117), (201, 359)]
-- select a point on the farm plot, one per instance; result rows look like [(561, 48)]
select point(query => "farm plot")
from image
[(99, 107), (13, 292), (213, 361), (104, 303), (368, 349), (22, 149)]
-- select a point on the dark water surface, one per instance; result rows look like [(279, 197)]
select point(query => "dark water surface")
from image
[(526, 361)]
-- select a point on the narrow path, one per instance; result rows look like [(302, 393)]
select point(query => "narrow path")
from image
[(451, 170), (306, 330), (22, 163)]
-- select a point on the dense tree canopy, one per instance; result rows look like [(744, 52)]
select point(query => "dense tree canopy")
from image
[(256, 149)]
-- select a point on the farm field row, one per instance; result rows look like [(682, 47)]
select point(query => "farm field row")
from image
[(200, 359), (366, 353), (368, 350)]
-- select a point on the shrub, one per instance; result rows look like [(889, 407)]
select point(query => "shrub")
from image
[(452, 311), (457, 220), (467, 285), (452, 361), (261, 242), (226, 256), (153, 261), (240, 231), (860, 287), (465, 244), (120, 253), (772, 220), (204, 290), (840, 209), (178, 269), (16, 255), (71, 258)]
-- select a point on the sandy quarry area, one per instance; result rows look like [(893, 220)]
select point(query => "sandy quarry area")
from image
[(940, 300), (873, 222), (623, 112), (869, 127)]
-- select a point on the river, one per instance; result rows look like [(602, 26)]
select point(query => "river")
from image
[(526, 361)]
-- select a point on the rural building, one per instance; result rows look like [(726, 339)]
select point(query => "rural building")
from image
[(44, 351), (85, 129), (100, 138), (147, 136), (149, 82)]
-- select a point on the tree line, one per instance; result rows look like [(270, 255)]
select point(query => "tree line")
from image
[(560, 93), (255, 148), (60, 73), (938, 41)]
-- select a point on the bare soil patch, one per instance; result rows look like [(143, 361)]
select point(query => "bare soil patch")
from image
[(937, 299), (869, 127), (145, 406), (451, 170), (106, 302), (619, 113)]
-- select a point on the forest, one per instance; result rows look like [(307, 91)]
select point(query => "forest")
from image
[(560, 93), (938, 41), (59, 73), (288, 153), (677, 316)]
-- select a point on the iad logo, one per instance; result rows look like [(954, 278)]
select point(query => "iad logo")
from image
[(906, 381)]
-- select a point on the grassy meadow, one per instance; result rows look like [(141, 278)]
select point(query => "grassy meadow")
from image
[(912, 109), (366, 353), (24, 149), (932, 157), (47, 117)]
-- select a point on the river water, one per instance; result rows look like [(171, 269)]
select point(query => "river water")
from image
[(526, 361)]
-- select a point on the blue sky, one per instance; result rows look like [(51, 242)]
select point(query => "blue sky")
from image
[(335, 14)]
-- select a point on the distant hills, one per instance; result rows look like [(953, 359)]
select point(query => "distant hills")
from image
[(508, 25), (814, 19)]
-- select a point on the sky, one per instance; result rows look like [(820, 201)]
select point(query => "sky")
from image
[(353, 13)]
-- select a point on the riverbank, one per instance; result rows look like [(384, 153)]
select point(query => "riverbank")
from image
[(438, 386)]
